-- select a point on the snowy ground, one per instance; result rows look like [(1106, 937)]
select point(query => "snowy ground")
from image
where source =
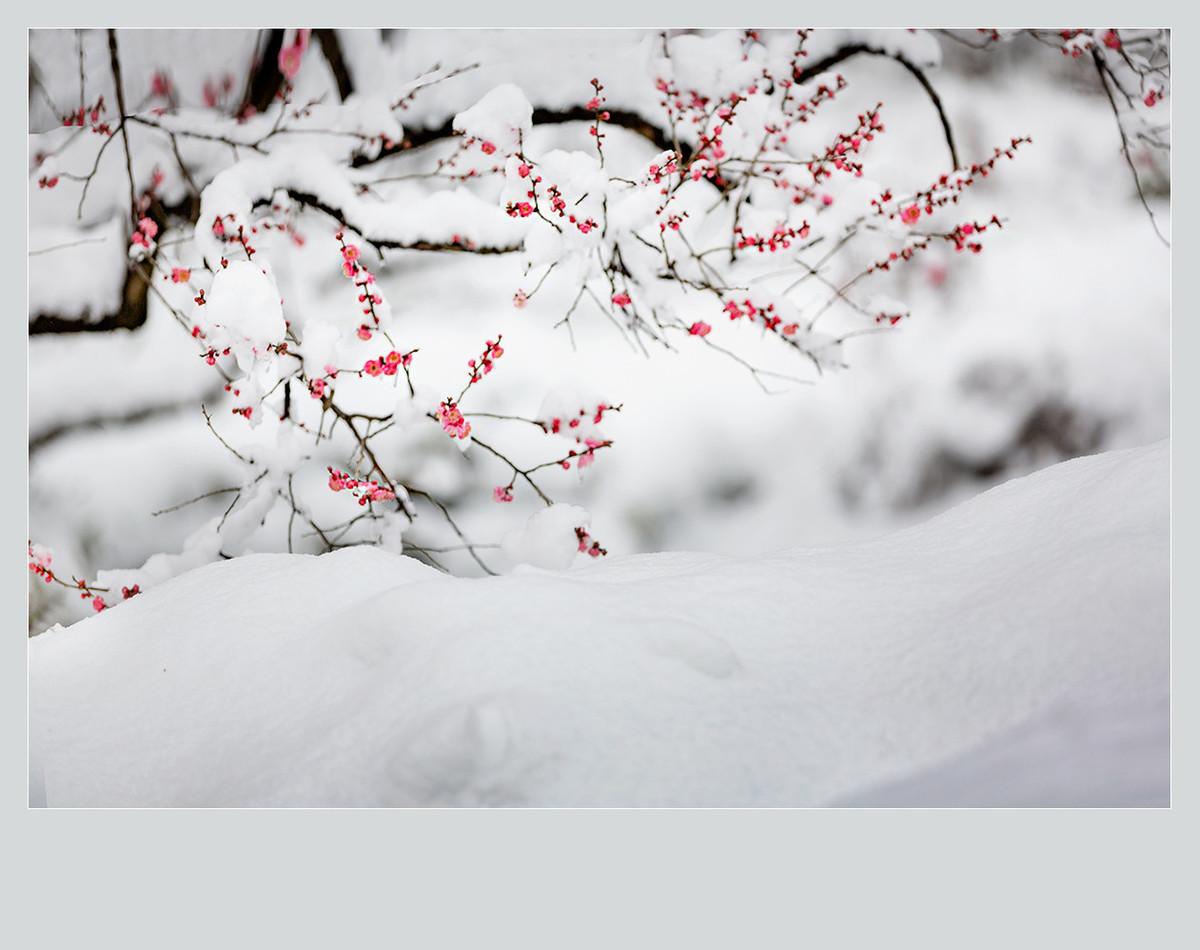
[(1012, 651)]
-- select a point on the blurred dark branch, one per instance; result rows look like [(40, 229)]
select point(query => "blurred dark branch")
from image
[(380, 244), (43, 438), (37, 83), (265, 79), (129, 315), (618, 117), (962, 41), (332, 49), (133, 309), (115, 62), (844, 53)]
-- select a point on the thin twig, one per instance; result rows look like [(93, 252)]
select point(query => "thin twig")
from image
[(115, 62)]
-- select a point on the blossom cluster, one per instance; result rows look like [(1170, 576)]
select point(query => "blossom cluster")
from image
[(368, 297), (452, 420), (492, 351), (766, 313), (142, 240), (85, 115), (587, 544), (780, 239), (388, 365), (40, 565), (363, 489), (560, 425), (948, 188)]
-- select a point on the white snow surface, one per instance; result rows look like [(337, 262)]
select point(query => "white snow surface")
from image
[(503, 117), (547, 538), (1014, 650), (77, 273), (244, 301)]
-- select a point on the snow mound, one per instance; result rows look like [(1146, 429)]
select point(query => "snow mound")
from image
[(244, 301), (547, 539), (503, 118), (1012, 651)]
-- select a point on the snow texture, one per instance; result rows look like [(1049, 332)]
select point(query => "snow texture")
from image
[(547, 539), (440, 216), (1014, 650), (77, 273), (503, 118), (245, 302)]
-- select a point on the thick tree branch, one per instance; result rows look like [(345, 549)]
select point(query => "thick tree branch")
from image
[(662, 139), (332, 49), (418, 137), (265, 79), (130, 315), (115, 62), (133, 309), (380, 244)]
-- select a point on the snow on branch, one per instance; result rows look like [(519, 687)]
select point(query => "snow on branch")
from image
[(443, 220)]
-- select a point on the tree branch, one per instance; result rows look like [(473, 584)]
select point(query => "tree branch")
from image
[(1137, 181), (115, 62), (844, 53), (43, 438), (312, 201), (130, 315), (331, 47), (265, 79), (418, 138)]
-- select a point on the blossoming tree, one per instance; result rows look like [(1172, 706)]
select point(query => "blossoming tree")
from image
[(715, 164)]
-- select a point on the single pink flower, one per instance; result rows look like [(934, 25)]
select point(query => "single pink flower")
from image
[(290, 56)]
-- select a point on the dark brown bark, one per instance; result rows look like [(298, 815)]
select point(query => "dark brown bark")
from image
[(129, 316), (265, 79), (332, 49), (417, 137)]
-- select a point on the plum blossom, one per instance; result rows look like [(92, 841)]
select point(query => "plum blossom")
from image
[(292, 54), (452, 420)]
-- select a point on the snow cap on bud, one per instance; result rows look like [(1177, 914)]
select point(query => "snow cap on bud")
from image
[(548, 539)]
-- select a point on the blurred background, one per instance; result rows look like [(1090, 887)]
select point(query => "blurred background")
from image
[(1054, 343)]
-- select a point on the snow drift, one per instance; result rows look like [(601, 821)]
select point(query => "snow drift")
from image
[(1012, 651)]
